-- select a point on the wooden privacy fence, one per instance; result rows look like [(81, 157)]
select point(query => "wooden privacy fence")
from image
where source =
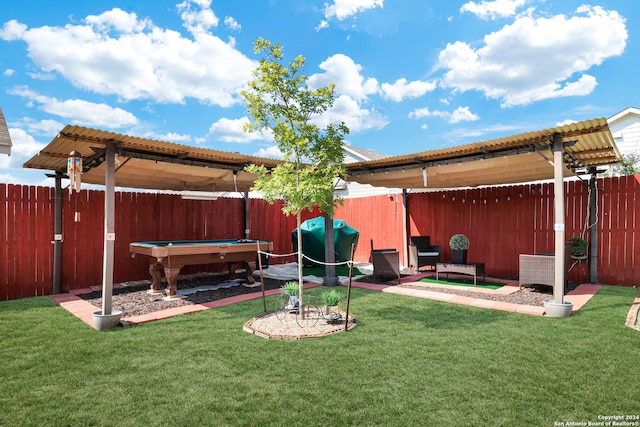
[(501, 223)]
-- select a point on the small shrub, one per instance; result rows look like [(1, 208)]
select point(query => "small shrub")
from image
[(459, 242)]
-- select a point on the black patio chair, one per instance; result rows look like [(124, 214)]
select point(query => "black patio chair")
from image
[(423, 253)]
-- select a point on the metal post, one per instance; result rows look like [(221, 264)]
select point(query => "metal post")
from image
[(57, 233), (405, 227), (593, 226), (109, 228), (558, 203), (247, 220), (330, 278)]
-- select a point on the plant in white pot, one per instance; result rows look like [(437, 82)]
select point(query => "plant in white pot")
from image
[(459, 244), (331, 299), (290, 289)]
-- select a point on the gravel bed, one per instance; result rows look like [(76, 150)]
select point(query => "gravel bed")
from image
[(526, 296), (135, 300)]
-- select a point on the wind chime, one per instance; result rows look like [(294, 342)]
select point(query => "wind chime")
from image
[(74, 170)]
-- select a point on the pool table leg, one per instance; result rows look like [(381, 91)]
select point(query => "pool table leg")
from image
[(231, 266), (172, 281), (155, 270), (248, 268)]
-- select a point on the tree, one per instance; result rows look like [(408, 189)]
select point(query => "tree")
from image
[(279, 100), (630, 165)]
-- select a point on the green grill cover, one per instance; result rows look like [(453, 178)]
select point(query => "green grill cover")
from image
[(344, 236)]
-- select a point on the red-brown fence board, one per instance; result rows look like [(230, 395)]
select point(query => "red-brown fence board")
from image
[(627, 205), (4, 291)]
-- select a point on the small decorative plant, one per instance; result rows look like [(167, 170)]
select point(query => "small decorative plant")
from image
[(459, 242), (579, 247), (290, 288), (331, 298)]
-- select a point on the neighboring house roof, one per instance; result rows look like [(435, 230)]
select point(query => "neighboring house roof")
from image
[(5, 138), (355, 154), (625, 128)]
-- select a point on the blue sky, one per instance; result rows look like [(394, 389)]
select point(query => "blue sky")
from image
[(410, 75)]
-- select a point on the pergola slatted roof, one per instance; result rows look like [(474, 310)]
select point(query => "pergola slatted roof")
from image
[(519, 158), (151, 164)]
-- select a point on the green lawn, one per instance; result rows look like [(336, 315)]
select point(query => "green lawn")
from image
[(408, 362)]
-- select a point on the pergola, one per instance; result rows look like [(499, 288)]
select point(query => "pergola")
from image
[(113, 159)]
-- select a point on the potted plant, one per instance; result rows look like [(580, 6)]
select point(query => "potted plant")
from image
[(459, 244), (290, 289), (578, 247), (331, 299)]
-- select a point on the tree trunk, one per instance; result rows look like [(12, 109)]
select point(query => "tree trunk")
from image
[(300, 260)]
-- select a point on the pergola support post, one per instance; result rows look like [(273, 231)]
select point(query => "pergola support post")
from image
[(558, 203), (109, 228)]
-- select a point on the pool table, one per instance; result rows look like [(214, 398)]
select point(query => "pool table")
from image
[(171, 256)]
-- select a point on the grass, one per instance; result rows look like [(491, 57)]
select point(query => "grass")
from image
[(463, 282), (409, 361)]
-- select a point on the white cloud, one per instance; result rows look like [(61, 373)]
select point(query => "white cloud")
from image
[(119, 20), (272, 152), (493, 9), (347, 110), (230, 130), (460, 114), (566, 122), (342, 9), (46, 127), (170, 137), (232, 23), (345, 74), (401, 89), (24, 146), (536, 58), (200, 18), (9, 72), (463, 114), (81, 112), (116, 53)]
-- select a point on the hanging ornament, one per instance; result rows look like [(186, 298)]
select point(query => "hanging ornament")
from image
[(74, 170)]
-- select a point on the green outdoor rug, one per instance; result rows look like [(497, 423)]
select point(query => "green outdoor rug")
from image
[(462, 282), (320, 271)]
